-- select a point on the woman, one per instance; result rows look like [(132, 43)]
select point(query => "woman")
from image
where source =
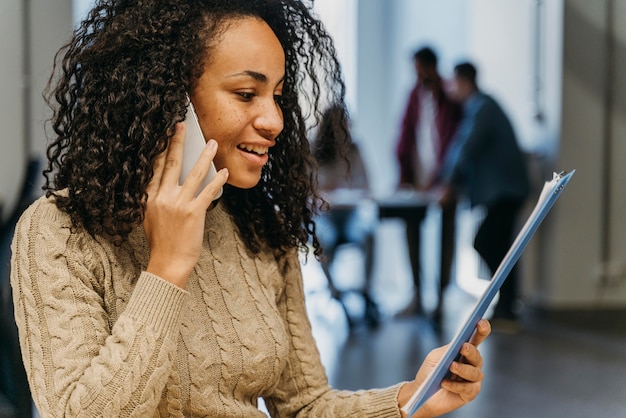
[(138, 296), (351, 216)]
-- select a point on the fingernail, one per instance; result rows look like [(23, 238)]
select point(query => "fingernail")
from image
[(211, 144)]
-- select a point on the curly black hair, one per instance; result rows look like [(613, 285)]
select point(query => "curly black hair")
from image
[(122, 88)]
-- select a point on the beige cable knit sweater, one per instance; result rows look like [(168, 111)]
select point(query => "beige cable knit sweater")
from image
[(101, 337)]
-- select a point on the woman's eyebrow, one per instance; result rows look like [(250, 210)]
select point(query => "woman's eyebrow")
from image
[(255, 75)]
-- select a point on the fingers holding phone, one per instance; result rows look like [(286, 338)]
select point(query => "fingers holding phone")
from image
[(175, 212), (202, 180)]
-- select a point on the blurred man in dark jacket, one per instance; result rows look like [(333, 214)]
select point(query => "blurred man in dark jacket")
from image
[(486, 164)]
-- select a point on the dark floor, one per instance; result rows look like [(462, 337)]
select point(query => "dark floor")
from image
[(549, 369), (559, 365)]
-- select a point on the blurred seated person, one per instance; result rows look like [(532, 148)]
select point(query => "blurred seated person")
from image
[(350, 216)]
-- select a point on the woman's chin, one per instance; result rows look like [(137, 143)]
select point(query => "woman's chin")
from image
[(244, 183)]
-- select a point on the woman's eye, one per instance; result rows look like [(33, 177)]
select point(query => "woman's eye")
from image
[(279, 99), (246, 95)]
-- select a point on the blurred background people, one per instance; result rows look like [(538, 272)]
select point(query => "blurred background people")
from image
[(351, 216), (428, 125), (486, 165)]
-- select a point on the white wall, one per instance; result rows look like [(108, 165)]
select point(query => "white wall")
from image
[(25, 69), (617, 238), (12, 104), (617, 211), (51, 27), (501, 39), (340, 18), (589, 229)]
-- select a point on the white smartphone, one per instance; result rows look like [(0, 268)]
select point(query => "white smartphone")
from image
[(194, 144)]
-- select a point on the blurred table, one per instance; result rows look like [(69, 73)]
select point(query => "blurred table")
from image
[(411, 207), (407, 205)]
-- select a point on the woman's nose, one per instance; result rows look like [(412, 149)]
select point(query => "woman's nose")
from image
[(270, 118)]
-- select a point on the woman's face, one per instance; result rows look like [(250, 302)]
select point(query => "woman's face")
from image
[(236, 98)]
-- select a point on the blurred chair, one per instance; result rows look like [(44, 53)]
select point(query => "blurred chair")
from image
[(350, 224)]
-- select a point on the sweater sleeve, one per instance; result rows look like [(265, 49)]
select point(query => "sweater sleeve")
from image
[(303, 390), (79, 360)]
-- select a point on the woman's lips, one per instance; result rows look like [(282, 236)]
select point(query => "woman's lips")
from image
[(255, 149), (255, 155)]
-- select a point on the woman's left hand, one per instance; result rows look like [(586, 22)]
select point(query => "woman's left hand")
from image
[(456, 392)]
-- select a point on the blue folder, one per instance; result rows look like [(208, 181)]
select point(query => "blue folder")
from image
[(549, 194)]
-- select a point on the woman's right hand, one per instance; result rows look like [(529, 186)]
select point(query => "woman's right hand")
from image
[(463, 387), (175, 214)]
